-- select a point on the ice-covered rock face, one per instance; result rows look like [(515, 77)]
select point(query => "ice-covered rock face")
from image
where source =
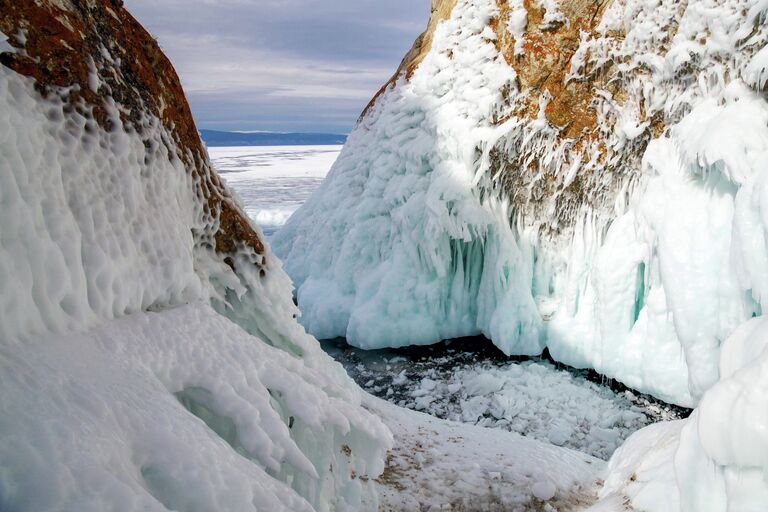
[(581, 176), (115, 102), (122, 386)]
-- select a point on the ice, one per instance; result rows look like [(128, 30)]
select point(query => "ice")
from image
[(273, 181), (99, 417), (4, 45), (553, 16), (716, 460), (642, 472), (544, 491), (404, 252), (518, 22), (532, 398), (410, 240), (122, 387)]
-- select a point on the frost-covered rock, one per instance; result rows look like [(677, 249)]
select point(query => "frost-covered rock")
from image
[(582, 176), (121, 387)]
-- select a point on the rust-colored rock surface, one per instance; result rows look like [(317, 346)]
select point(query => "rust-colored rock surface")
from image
[(95, 50), (579, 105)]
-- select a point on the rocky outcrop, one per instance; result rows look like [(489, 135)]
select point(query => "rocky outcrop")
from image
[(91, 53), (585, 177), (514, 173), (142, 314)]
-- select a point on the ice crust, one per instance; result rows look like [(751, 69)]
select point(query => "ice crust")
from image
[(443, 465), (403, 251), (716, 460), (409, 241), (121, 388)]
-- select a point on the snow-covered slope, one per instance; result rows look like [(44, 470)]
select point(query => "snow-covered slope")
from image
[(580, 176), (121, 386)]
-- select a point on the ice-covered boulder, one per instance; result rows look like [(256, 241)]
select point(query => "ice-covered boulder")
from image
[(149, 353), (581, 176)]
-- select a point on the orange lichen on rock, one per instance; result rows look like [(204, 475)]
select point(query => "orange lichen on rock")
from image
[(545, 62), (95, 50)]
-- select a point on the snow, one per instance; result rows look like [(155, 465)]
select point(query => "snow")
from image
[(140, 372), (79, 241), (440, 465), (409, 241), (641, 472), (518, 22), (273, 181), (553, 16), (110, 416), (4, 45), (126, 383)]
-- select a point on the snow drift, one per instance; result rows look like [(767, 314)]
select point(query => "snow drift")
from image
[(121, 386)]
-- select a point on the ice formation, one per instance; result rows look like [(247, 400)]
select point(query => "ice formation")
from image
[(594, 191), (149, 353), (442, 465), (599, 189), (716, 460)]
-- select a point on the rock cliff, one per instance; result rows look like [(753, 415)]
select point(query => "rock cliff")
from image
[(91, 51), (532, 172)]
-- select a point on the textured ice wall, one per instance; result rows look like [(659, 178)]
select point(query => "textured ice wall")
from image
[(450, 213), (398, 247), (716, 460), (654, 286), (95, 225), (684, 266), (116, 392)]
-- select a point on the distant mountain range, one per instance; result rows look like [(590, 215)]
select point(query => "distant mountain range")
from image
[(214, 138)]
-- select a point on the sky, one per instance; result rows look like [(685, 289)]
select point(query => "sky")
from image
[(282, 65)]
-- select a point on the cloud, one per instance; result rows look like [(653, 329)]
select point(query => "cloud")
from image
[(282, 64)]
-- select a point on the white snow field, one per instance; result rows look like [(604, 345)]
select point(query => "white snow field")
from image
[(273, 181)]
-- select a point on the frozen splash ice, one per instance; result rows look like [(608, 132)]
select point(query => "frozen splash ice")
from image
[(436, 221), (121, 386), (715, 461), (406, 251)]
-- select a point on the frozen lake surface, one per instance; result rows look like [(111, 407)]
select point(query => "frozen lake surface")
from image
[(273, 181), (469, 380), (466, 380)]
